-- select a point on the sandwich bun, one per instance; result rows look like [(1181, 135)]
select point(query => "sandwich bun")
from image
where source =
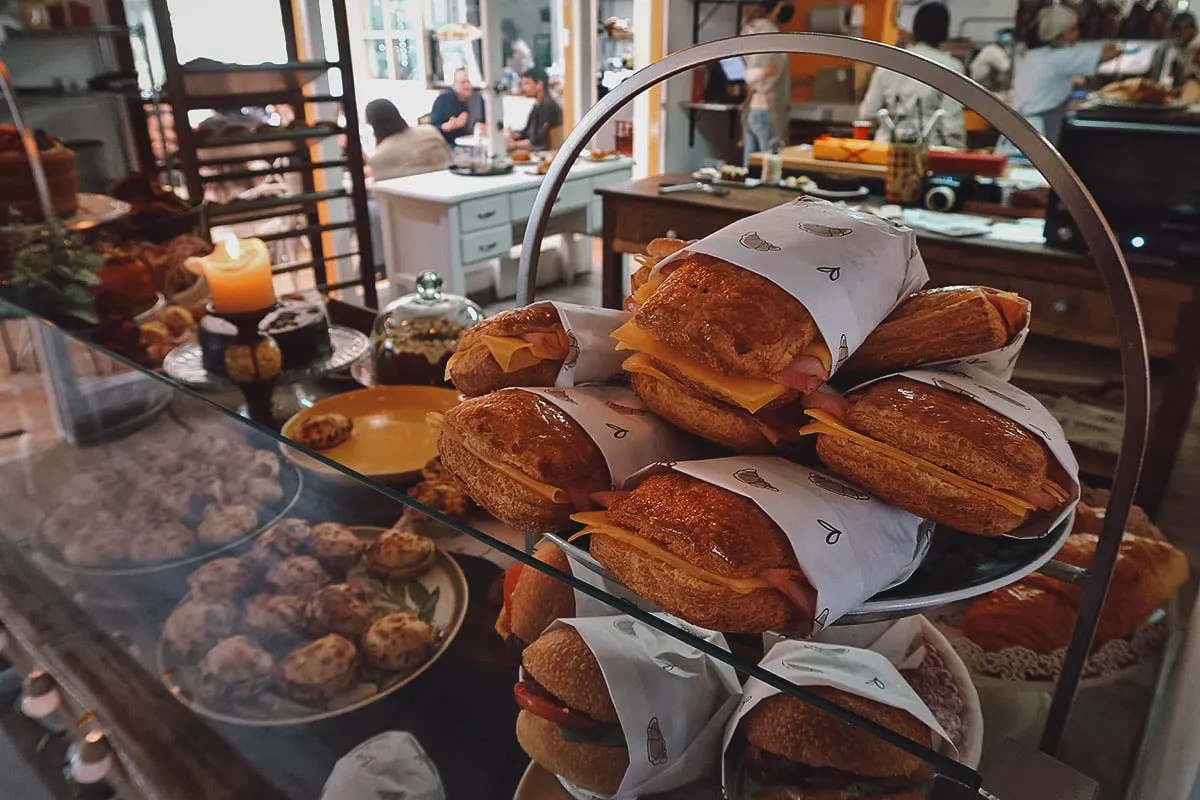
[(521, 458), (699, 414), (936, 325), (728, 318), (979, 458), (562, 663), (473, 369), (533, 599), (700, 552)]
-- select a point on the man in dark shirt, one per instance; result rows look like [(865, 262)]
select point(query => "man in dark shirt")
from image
[(544, 116), (451, 112)]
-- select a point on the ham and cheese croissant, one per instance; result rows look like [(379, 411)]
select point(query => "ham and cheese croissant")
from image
[(522, 459), (703, 553), (1038, 612), (722, 352), (941, 456), (519, 347), (938, 325)]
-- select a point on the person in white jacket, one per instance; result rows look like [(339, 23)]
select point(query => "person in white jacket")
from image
[(767, 83), (911, 102)]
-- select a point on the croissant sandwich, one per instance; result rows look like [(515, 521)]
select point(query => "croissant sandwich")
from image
[(941, 455), (519, 347), (522, 459), (1039, 612), (938, 325), (704, 554), (723, 353)]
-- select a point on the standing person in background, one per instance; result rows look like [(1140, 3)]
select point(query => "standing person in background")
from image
[(1185, 65), (1043, 78), (910, 101), (518, 56), (543, 117), (768, 83), (451, 112), (992, 65)]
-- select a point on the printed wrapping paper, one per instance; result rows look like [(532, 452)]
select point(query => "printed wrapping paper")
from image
[(856, 671), (627, 433), (849, 544), (1023, 409), (593, 356), (672, 701), (848, 268)]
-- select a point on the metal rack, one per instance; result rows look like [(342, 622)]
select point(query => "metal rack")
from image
[(190, 87), (952, 779)]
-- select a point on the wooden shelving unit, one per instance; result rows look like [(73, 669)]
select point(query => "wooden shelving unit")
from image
[(213, 86)]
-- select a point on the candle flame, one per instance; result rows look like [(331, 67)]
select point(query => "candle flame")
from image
[(232, 247)]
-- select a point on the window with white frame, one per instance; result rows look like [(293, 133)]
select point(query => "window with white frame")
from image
[(392, 36)]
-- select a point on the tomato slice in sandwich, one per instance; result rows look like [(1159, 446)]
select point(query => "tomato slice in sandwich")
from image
[(537, 701)]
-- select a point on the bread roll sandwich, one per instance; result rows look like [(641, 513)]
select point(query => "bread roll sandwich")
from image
[(704, 554), (940, 455), (723, 352), (533, 599), (521, 458), (567, 722), (518, 347), (937, 325), (1038, 612), (793, 751)]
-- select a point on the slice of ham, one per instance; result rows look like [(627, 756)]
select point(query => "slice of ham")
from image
[(829, 401), (581, 499), (548, 344), (805, 374), (798, 591), (1011, 308), (607, 498)]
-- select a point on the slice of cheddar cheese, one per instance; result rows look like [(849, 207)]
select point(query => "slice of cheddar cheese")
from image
[(597, 522), (511, 352), (552, 493), (648, 288), (828, 425), (639, 363), (751, 394)]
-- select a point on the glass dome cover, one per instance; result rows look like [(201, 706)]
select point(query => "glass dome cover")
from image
[(415, 335)]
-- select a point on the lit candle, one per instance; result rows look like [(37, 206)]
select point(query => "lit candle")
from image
[(238, 272)]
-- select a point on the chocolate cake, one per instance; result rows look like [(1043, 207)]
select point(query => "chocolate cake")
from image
[(18, 193), (300, 329)]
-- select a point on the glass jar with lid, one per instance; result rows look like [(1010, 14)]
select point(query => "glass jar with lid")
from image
[(415, 335)]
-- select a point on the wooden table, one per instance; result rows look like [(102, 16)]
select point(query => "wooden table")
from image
[(1063, 286)]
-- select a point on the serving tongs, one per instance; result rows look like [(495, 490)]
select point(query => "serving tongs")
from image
[(704, 187)]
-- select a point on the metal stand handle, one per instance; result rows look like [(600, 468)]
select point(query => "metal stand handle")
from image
[(1095, 231)]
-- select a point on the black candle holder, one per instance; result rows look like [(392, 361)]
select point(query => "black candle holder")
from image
[(253, 362)]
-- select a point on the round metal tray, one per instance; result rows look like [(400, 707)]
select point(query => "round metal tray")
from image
[(185, 363)]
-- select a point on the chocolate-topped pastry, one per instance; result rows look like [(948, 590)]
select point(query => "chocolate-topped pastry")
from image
[(301, 331)]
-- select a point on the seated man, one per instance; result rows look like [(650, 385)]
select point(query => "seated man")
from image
[(451, 112), (544, 116)]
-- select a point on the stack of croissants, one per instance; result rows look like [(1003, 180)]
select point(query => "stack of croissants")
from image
[(1038, 612)]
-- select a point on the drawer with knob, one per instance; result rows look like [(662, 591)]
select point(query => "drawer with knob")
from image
[(1079, 313), (487, 243), (484, 212)]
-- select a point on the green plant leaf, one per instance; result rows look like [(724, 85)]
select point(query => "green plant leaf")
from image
[(418, 592), (426, 610)]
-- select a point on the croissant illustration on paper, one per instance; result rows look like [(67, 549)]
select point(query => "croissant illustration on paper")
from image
[(796, 666), (562, 394), (752, 241), (837, 487), (656, 745), (572, 352), (750, 477), (625, 626), (628, 411), (829, 232)]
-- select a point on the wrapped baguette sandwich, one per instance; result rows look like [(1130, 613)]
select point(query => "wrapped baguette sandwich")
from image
[(1038, 612), (531, 457), (544, 344), (937, 325), (732, 336), (941, 455)]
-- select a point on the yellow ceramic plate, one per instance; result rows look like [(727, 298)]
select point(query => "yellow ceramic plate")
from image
[(538, 784), (391, 439)]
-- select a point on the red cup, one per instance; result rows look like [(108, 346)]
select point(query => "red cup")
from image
[(862, 129)]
